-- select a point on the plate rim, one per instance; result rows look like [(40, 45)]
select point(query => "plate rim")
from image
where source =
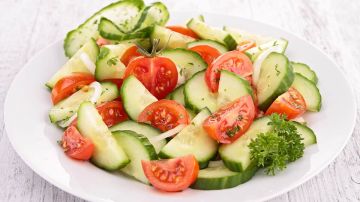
[(270, 196)]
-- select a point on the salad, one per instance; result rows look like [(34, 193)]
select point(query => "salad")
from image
[(179, 106)]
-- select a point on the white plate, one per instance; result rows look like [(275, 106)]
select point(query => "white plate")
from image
[(34, 138)]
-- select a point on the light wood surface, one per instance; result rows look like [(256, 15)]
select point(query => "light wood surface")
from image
[(27, 26)]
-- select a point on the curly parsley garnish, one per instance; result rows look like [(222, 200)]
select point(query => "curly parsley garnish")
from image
[(277, 147)]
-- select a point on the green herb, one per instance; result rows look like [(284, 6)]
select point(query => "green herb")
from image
[(275, 43), (190, 63), (113, 61), (231, 132), (103, 52), (277, 70), (277, 147), (181, 71)]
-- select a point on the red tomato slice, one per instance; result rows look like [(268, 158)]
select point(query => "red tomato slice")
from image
[(164, 115), (173, 174), (183, 30), (129, 55), (112, 112), (69, 85), (158, 74), (231, 121), (208, 53), (290, 103), (234, 61), (75, 145), (245, 45)]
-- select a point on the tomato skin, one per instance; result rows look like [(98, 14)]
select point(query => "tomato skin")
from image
[(158, 74), (129, 55), (245, 45), (111, 112), (172, 174), (69, 85), (290, 103), (234, 61), (208, 53), (183, 30), (75, 145), (231, 121), (164, 115)]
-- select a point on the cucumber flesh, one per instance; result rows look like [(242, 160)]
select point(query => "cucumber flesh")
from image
[(192, 140), (305, 71), (178, 95), (141, 128), (214, 44), (280, 44), (306, 133), (169, 39), (187, 62), (276, 76), (204, 31), (76, 63), (66, 108), (107, 153), (109, 92), (236, 156), (108, 64), (155, 14), (135, 97), (137, 147), (197, 95), (309, 91), (217, 176), (241, 35), (232, 87), (122, 13)]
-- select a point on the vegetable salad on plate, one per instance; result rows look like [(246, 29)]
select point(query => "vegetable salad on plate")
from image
[(179, 106)]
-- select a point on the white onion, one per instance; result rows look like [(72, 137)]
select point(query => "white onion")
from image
[(97, 91), (168, 133), (88, 63)]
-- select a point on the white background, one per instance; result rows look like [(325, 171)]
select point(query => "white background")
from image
[(27, 26)]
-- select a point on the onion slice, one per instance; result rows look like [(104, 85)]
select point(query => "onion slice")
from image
[(168, 133)]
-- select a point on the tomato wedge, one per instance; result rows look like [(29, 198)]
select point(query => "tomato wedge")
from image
[(173, 174), (231, 121), (208, 53), (112, 112), (245, 45), (158, 74), (69, 85), (183, 30), (165, 115), (75, 145), (290, 103), (234, 61), (129, 55)]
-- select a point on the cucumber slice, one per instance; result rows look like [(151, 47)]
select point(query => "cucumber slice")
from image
[(214, 44), (109, 30), (108, 64), (187, 62), (169, 38), (122, 13), (197, 94), (204, 31), (236, 156), (178, 95), (109, 92), (276, 76), (69, 106), (90, 50), (232, 87), (135, 97), (305, 71), (155, 14), (137, 147), (241, 35), (217, 176), (107, 153), (306, 133), (192, 140), (280, 44), (309, 91), (141, 128)]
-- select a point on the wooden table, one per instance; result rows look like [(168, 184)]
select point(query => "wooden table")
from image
[(27, 26)]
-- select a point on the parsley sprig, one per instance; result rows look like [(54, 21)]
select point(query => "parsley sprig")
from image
[(279, 146)]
